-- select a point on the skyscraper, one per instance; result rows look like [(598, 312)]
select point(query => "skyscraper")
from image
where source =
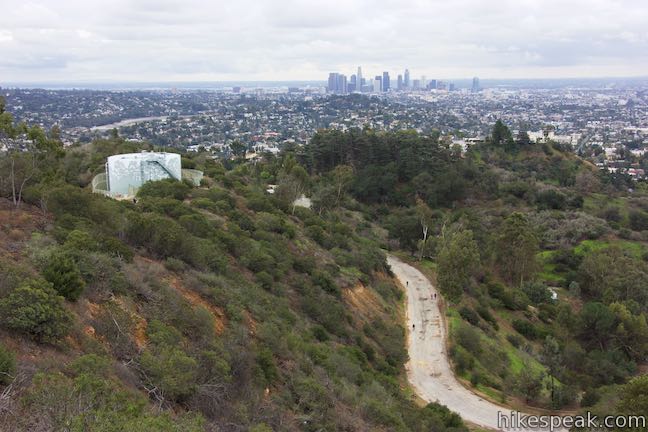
[(399, 82), (406, 82), (332, 82), (341, 84), (377, 84), (359, 79), (385, 82), (475, 85)]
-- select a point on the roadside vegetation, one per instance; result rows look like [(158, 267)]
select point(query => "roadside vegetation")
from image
[(227, 308), (217, 308), (541, 257)]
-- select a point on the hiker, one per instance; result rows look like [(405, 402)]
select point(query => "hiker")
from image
[(434, 296), (406, 283), (413, 326)]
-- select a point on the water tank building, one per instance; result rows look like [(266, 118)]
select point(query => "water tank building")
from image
[(126, 173)]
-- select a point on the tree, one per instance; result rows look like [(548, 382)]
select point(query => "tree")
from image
[(425, 217), (63, 273), (522, 138), (238, 149), (37, 310), (27, 150), (597, 324), (342, 177), (552, 358), (501, 135), (292, 185), (516, 249), (458, 261), (634, 401), (528, 383)]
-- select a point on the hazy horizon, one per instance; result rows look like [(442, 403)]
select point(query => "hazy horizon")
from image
[(295, 40)]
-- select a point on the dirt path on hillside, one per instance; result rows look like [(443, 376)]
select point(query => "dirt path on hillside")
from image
[(428, 369)]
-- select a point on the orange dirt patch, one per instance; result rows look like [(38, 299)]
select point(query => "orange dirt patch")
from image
[(251, 323), (363, 300), (196, 300), (140, 333)]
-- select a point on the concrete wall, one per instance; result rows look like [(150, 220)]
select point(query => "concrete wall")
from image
[(128, 172)]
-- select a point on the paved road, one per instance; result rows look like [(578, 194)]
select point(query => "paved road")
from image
[(428, 369)]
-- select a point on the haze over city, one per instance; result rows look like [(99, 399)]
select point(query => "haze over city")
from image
[(170, 40)]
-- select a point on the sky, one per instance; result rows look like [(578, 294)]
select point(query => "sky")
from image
[(232, 40)]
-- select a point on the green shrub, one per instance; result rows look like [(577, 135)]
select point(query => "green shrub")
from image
[(7, 365), (515, 340), (469, 315), (167, 188), (486, 314), (537, 292), (469, 338), (63, 273), (266, 363), (175, 265), (463, 360), (35, 309), (172, 371), (526, 329), (638, 220)]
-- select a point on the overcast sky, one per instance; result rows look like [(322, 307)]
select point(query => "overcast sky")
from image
[(191, 40)]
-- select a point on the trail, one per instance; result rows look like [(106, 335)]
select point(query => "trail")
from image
[(428, 369)]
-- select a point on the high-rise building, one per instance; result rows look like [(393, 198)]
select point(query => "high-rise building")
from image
[(423, 82), (406, 81), (359, 79), (337, 83), (385, 82), (377, 84), (432, 85), (475, 85), (341, 84), (399, 82), (416, 85), (332, 82), (451, 87)]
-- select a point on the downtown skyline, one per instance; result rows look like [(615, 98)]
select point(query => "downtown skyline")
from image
[(122, 41)]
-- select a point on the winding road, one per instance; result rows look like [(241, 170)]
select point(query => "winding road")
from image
[(428, 369)]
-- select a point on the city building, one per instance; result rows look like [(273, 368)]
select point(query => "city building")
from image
[(332, 82), (359, 80), (475, 85), (399, 82), (385, 82), (377, 84), (406, 80)]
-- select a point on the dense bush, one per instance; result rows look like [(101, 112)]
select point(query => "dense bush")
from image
[(638, 220), (64, 275), (167, 188), (469, 315), (35, 309), (526, 329), (537, 292), (7, 365), (469, 338)]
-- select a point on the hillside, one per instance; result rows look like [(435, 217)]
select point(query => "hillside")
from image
[(224, 307), (541, 258), (211, 308)]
